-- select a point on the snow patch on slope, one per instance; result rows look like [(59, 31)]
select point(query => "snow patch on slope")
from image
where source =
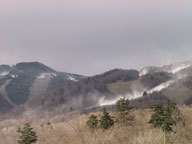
[(161, 86), (47, 75), (134, 95), (4, 73), (72, 78), (179, 68), (103, 101), (14, 76)]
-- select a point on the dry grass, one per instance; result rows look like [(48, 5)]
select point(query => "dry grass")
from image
[(72, 130)]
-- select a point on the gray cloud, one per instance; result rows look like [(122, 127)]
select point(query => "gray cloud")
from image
[(89, 38)]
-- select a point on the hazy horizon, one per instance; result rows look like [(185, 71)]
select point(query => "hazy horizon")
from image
[(91, 37)]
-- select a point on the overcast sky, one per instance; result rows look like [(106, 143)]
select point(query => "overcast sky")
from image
[(91, 36)]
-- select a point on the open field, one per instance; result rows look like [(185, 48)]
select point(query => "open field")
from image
[(72, 129)]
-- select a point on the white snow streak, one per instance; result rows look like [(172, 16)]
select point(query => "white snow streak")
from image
[(72, 78), (179, 68), (4, 73), (47, 75)]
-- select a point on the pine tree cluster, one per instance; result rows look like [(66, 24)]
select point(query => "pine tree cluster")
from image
[(105, 121), (163, 116)]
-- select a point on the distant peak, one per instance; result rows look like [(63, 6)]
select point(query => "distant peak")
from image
[(29, 63), (5, 68), (36, 66)]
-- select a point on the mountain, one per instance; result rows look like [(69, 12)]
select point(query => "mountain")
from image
[(28, 87), (152, 84), (24, 81)]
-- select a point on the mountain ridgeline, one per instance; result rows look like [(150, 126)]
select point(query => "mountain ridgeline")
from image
[(22, 82), (34, 85)]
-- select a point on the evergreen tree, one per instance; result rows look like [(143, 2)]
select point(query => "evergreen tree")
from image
[(157, 116), (169, 108), (28, 136), (106, 120), (92, 121), (122, 109), (169, 120), (122, 105)]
